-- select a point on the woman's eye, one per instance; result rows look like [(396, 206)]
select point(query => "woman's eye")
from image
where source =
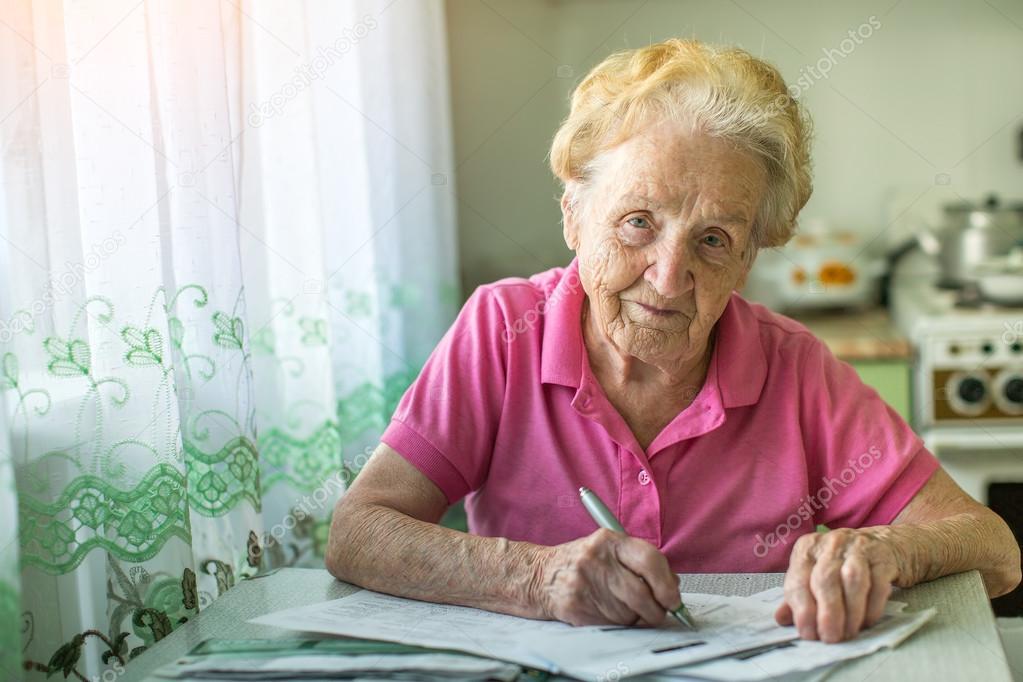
[(713, 240), (639, 221)]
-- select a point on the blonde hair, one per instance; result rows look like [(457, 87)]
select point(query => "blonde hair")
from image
[(724, 92)]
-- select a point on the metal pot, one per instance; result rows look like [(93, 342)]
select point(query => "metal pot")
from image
[(1000, 280), (970, 235)]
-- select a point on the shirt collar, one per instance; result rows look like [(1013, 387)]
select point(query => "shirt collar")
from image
[(561, 360), (738, 365), (739, 355)]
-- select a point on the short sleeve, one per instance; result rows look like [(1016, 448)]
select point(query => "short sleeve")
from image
[(864, 461), (446, 422)]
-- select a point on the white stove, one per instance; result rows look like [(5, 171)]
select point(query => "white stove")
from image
[(969, 355), (967, 388)]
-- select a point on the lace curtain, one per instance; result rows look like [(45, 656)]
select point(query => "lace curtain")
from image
[(226, 247)]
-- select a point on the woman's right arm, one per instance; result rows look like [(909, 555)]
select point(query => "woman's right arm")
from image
[(384, 536)]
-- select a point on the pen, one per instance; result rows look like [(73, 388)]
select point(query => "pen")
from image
[(605, 519)]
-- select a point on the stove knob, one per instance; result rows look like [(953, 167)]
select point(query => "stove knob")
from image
[(972, 390), (1008, 391), (968, 394), (1013, 390)]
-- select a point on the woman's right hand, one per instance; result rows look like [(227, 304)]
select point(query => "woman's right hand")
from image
[(607, 577)]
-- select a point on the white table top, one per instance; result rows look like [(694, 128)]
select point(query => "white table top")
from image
[(960, 643)]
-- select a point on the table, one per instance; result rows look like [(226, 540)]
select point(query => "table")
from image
[(960, 643)]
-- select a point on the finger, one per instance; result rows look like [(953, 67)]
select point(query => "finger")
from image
[(783, 614), (826, 585), (798, 596), (645, 561), (881, 577), (855, 588), (635, 594)]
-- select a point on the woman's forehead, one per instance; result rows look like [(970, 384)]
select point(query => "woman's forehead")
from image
[(724, 189), (664, 166)]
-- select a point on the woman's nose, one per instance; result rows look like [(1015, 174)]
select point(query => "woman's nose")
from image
[(669, 274)]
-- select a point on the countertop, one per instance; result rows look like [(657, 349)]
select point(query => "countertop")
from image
[(858, 335), (960, 643)]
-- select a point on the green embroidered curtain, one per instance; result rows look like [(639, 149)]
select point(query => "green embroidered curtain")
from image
[(226, 247)]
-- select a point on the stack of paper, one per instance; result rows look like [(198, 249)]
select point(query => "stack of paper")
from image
[(296, 659), (801, 659), (738, 635)]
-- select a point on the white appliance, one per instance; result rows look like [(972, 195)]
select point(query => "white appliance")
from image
[(822, 267), (967, 388)]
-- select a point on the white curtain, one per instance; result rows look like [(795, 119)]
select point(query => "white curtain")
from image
[(226, 247)]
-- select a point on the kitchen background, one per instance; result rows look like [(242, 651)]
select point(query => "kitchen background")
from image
[(926, 110), (916, 106)]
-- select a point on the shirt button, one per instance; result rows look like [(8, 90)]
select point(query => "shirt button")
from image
[(644, 477)]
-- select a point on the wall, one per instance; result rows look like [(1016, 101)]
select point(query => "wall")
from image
[(926, 109)]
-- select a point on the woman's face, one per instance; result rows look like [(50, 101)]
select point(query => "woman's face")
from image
[(661, 233)]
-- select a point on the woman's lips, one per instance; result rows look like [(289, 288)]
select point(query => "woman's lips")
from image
[(663, 312)]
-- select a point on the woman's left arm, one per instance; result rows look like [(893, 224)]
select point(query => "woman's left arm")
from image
[(838, 582)]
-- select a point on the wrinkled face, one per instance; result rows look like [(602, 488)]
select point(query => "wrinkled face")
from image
[(661, 233)]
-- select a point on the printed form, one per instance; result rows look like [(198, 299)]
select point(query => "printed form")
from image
[(727, 625)]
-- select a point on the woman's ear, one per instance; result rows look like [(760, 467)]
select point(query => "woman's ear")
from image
[(570, 216)]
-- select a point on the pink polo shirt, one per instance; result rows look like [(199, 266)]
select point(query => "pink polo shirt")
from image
[(781, 437)]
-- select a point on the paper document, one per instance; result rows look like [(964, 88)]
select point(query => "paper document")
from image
[(672, 675), (373, 615), (430, 666), (727, 625), (738, 638), (802, 656), (299, 659)]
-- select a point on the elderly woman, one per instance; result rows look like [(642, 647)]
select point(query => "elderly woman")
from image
[(718, 432)]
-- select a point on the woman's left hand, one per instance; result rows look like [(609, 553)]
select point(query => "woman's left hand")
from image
[(837, 583)]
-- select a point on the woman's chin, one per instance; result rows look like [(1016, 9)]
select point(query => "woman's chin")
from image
[(655, 346)]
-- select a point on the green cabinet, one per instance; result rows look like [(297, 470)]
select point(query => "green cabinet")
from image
[(891, 379)]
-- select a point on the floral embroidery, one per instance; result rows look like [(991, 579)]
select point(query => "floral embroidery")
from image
[(314, 331), (144, 347), (90, 513), (213, 486), (229, 330), (203, 462)]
